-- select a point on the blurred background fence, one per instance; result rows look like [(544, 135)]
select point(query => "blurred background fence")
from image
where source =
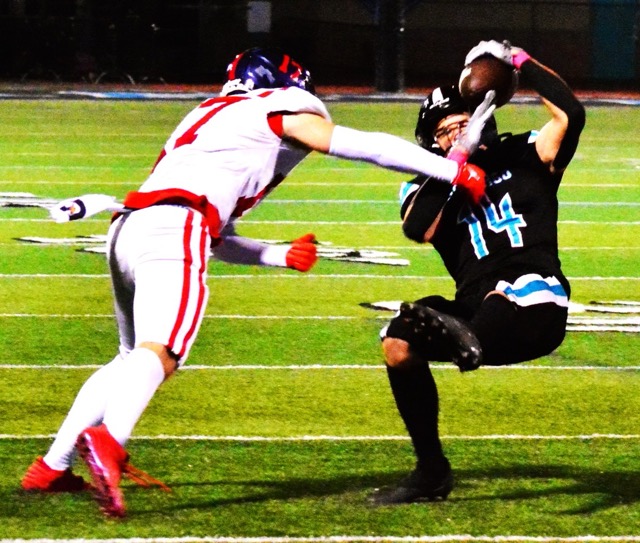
[(386, 44)]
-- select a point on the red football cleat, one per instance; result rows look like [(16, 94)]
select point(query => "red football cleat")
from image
[(40, 477), (105, 458), (108, 462)]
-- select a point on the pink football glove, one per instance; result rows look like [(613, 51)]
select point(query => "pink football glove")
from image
[(472, 180), (303, 253)]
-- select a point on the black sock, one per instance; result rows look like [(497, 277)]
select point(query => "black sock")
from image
[(416, 396)]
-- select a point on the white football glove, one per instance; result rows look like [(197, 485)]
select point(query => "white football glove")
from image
[(501, 51), (82, 207), (471, 138)]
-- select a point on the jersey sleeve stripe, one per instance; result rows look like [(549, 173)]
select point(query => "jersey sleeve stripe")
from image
[(275, 123)]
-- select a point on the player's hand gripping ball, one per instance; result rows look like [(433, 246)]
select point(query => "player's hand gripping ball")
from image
[(487, 73)]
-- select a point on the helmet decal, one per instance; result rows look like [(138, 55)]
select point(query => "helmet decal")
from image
[(264, 72), (437, 98)]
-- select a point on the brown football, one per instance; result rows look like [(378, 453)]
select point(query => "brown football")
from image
[(484, 74)]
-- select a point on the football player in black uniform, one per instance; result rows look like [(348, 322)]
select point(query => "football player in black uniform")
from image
[(511, 296)]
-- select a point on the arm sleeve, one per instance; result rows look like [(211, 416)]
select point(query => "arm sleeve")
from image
[(553, 88), (236, 249), (390, 152)]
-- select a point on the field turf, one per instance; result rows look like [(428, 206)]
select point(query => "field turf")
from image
[(282, 422)]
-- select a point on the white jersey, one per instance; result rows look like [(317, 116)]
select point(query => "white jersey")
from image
[(230, 149)]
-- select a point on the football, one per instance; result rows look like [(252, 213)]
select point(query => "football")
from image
[(484, 74)]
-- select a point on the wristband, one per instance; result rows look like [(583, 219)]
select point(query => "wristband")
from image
[(459, 155), (520, 58), (275, 255)]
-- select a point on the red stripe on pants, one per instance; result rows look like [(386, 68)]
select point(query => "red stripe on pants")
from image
[(201, 287), (186, 281)]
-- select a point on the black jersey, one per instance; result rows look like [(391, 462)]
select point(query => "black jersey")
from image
[(513, 231)]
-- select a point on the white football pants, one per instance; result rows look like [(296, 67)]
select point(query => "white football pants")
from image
[(158, 261)]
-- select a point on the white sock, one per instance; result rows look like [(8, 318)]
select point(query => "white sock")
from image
[(138, 378), (87, 410)]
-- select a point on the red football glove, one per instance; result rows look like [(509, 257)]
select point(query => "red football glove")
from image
[(472, 180), (303, 253)]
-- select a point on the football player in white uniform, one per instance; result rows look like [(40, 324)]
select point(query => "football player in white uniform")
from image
[(221, 161)]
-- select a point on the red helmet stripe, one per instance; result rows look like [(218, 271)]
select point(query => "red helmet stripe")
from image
[(286, 60), (231, 70)]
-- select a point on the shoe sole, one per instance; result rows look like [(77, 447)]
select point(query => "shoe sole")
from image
[(439, 494), (464, 347), (407, 500), (407, 496), (109, 498)]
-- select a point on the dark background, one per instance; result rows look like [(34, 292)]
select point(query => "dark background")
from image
[(387, 44)]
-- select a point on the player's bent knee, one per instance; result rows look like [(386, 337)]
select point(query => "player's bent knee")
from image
[(397, 352), (167, 358)]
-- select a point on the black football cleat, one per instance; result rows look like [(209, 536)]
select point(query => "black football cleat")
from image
[(418, 486), (451, 333)]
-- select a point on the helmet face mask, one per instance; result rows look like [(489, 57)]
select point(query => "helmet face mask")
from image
[(265, 68)]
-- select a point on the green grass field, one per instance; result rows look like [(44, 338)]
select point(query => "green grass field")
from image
[(282, 422)]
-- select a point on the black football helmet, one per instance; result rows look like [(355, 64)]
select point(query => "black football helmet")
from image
[(265, 68), (442, 102)]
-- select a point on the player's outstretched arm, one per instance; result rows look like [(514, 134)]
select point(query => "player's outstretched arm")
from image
[(382, 149), (82, 207), (301, 254)]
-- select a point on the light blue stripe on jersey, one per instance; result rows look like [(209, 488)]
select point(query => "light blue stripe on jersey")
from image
[(533, 289), (406, 189)]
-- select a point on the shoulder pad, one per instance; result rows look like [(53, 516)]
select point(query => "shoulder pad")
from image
[(294, 100)]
